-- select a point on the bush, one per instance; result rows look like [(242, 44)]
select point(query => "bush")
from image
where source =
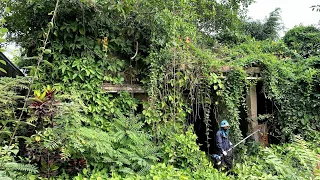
[(296, 160)]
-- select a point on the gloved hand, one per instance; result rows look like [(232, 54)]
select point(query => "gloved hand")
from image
[(230, 143), (224, 153)]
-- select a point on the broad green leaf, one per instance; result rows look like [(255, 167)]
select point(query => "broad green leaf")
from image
[(7, 9), (74, 76), (48, 63), (43, 95), (47, 51), (3, 30), (81, 31)]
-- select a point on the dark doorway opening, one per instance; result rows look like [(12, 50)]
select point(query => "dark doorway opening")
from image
[(264, 105), (265, 111), (217, 113), (244, 123), (200, 128)]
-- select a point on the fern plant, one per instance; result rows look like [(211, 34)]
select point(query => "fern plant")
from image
[(134, 143), (10, 99), (125, 148), (296, 160), (9, 169)]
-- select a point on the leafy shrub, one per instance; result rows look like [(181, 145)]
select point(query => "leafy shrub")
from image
[(303, 39), (161, 171), (9, 168), (182, 151), (11, 99), (290, 161), (165, 171)]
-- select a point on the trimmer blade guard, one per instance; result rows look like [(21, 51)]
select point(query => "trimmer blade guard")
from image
[(217, 159)]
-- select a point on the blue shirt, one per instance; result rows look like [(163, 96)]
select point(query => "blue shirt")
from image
[(223, 142)]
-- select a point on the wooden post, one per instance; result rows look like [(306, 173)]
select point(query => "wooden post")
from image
[(117, 88), (253, 111)]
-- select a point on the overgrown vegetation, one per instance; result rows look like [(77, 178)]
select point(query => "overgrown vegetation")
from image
[(65, 126), (296, 160)]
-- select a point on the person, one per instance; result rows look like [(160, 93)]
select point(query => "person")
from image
[(224, 144)]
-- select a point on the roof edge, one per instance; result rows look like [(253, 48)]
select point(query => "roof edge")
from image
[(7, 60)]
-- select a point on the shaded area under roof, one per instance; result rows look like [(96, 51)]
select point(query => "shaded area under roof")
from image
[(11, 69)]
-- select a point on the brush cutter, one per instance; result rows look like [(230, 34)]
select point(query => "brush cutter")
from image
[(217, 158)]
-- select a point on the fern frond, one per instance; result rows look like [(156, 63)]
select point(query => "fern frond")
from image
[(118, 136), (21, 167), (277, 163), (126, 170)]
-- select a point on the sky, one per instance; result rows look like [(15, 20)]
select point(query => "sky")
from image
[(293, 12)]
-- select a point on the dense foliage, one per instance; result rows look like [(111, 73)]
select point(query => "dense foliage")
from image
[(304, 40), (71, 128), (291, 161)]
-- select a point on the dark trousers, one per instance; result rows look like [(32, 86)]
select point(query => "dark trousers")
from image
[(227, 161)]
